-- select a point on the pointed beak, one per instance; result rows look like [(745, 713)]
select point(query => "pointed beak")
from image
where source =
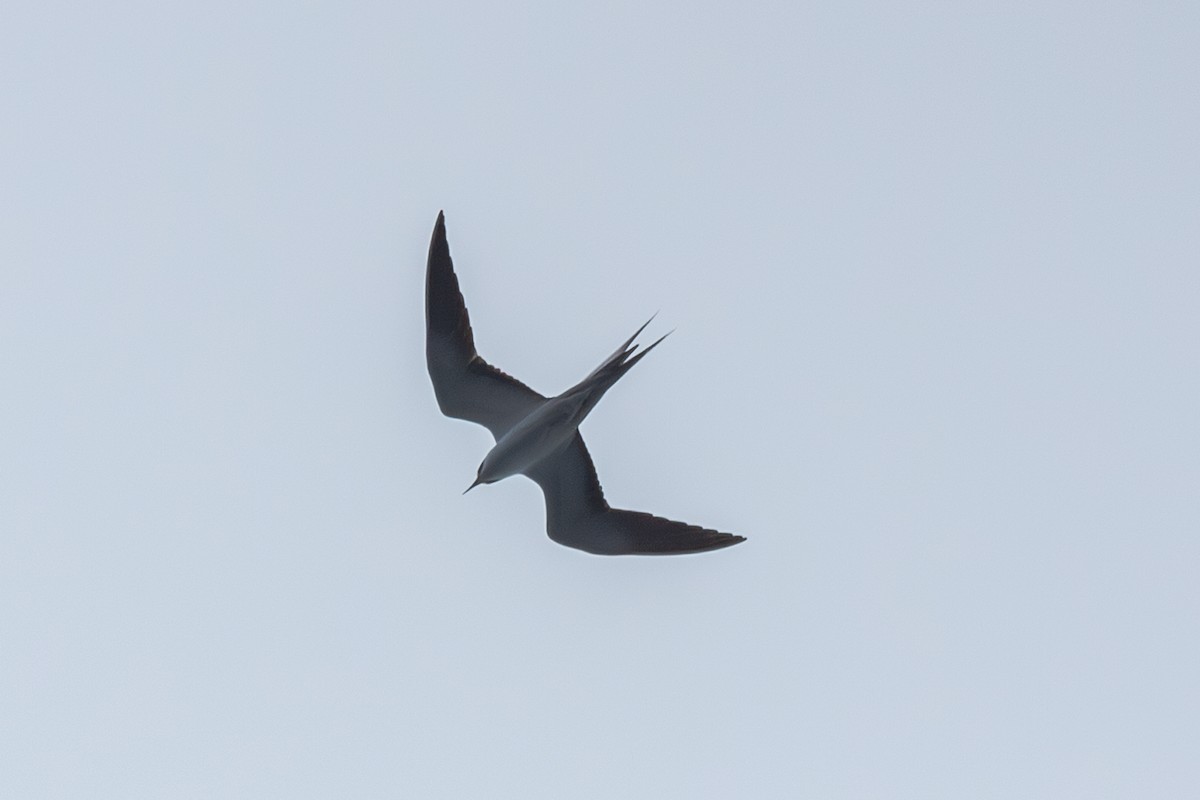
[(473, 485)]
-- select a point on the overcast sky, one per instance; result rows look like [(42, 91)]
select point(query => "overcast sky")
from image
[(934, 277)]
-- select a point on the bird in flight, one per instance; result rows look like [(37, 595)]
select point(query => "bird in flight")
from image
[(538, 436)]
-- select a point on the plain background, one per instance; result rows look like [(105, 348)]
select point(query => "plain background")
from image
[(933, 270)]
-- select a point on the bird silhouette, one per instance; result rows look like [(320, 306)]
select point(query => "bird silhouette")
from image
[(538, 436)]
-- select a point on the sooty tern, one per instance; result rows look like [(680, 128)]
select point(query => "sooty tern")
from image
[(537, 436)]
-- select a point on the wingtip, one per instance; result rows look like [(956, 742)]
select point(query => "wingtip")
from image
[(727, 540), (439, 246)]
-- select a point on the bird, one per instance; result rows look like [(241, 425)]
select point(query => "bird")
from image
[(538, 436)]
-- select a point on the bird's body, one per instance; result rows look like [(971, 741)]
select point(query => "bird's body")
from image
[(538, 436), (547, 428)]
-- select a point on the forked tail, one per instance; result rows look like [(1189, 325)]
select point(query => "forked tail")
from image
[(601, 379)]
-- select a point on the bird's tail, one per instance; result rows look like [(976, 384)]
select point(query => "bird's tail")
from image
[(602, 378)]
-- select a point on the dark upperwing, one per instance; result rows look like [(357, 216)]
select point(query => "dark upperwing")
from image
[(467, 387), (577, 515)]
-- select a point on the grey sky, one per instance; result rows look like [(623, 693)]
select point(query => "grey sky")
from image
[(934, 278)]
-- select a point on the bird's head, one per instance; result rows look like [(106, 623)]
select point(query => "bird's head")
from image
[(479, 477)]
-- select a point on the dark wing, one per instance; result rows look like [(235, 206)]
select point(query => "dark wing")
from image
[(578, 516), (467, 387)]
